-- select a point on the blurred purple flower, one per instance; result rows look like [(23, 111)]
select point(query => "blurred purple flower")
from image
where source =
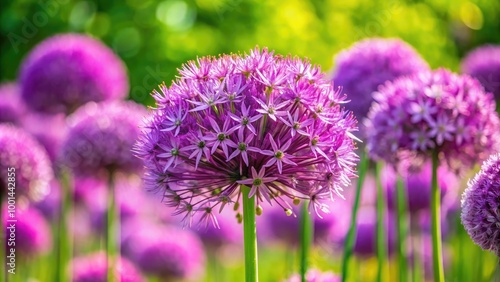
[(418, 185), (167, 252), (101, 136), (49, 130), (480, 206), (93, 268), (68, 70), (33, 171), (314, 275), (247, 103), (12, 107), (439, 110), (370, 63), (483, 63), (32, 232)]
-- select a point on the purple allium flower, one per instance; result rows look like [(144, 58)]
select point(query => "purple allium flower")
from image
[(370, 63), (101, 136), (49, 130), (66, 71), (32, 232), (418, 185), (168, 252), (93, 268), (263, 120), (483, 63), (314, 275), (438, 110), (12, 107), (19, 151), (481, 206)]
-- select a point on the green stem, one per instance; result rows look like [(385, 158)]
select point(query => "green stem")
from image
[(306, 235), (381, 235), (351, 236), (112, 227), (402, 228), (437, 253), (250, 236), (64, 237)]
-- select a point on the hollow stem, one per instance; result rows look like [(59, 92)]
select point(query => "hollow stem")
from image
[(351, 236), (402, 228), (250, 236), (381, 234), (63, 236), (306, 235), (111, 229), (437, 253)]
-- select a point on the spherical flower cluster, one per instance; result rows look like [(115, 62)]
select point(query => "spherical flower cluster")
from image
[(25, 161), (418, 185), (170, 253), (368, 64), (32, 232), (263, 120), (12, 107), (66, 71), (429, 111), (93, 268), (483, 63), (481, 206), (314, 275), (101, 135)]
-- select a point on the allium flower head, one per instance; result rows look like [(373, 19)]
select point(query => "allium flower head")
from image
[(430, 111), (12, 107), (368, 64), (272, 123), (93, 268), (66, 71), (33, 170), (481, 206), (483, 63), (101, 135), (32, 231), (169, 253)]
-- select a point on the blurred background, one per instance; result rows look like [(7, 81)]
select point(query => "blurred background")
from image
[(155, 37)]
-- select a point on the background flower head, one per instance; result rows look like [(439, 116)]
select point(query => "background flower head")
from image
[(437, 110), (481, 206), (368, 63), (93, 267), (483, 63), (67, 70), (33, 170), (33, 236), (101, 136)]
